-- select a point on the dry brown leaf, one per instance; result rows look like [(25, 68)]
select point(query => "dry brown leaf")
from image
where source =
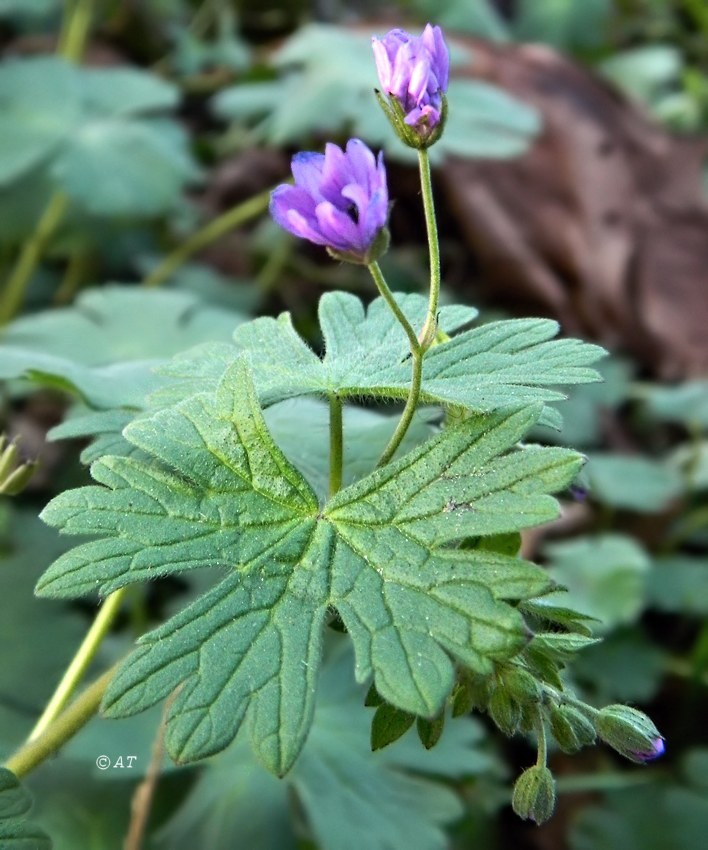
[(602, 223)]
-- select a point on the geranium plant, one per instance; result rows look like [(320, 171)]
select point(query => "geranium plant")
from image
[(403, 532)]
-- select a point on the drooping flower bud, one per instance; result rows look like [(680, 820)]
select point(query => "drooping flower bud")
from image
[(630, 732), (413, 72), (571, 729), (534, 795), (339, 200)]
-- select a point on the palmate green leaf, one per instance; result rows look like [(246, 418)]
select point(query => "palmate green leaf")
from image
[(217, 492), (350, 796), (500, 364)]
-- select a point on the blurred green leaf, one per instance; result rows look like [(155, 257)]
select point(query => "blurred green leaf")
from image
[(16, 832), (43, 635), (685, 403), (104, 346), (351, 797), (625, 667), (644, 72), (679, 584), (566, 24), (605, 576), (632, 482), (40, 104), (656, 817), (94, 130), (327, 80), (478, 17), (690, 460)]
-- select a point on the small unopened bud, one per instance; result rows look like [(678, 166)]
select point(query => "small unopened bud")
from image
[(630, 732), (14, 475), (512, 705), (571, 729), (534, 795), (505, 711)]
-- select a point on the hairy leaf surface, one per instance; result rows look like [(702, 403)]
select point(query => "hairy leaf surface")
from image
[(215, 491), (500, 364)]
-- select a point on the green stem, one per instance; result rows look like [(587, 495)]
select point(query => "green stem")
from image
[(541, 743), (408, 411), (66, 725), (73, 38), (336, 444), (417, 367), (427, 336), (80, 662), (211, 231), (387, 296), (29, 257)]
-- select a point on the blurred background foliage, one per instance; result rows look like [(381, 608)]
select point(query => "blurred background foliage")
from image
[(138, 141)]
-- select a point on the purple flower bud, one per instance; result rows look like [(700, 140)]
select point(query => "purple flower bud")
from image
[(630, 732), (414, 73), (340, 200)]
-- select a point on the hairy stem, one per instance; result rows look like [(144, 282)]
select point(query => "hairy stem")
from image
[(30, 255), (541, 743), (417, 353), (211, 231), (336, 444), (427, 335), (64, 727), (80, 662), (408, 411), (387, 296)]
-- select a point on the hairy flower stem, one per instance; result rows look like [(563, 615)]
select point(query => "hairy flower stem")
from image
[(336, 444), (213, 230), (542, 755), (80, 662), (417, 364), (66, 725), (430, 329)]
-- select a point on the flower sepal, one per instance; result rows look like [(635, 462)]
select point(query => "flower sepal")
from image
[(420, 135), (374, 252)]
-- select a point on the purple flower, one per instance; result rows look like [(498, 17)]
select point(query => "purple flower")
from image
[(414, 72), (340, 200)]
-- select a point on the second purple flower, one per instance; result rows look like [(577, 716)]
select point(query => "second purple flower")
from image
[(340, 200), (414, 72)]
